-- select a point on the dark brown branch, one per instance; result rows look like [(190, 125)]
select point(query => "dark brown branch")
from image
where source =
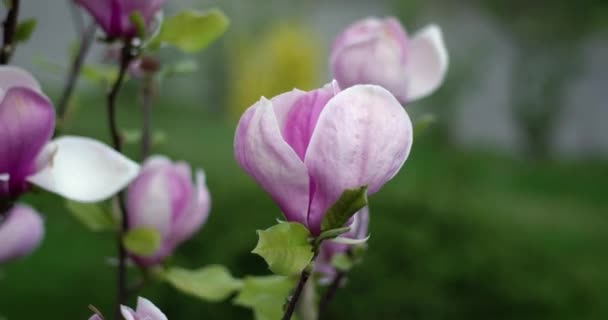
[(10, 27)]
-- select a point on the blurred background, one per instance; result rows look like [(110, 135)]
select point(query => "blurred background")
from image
[(501, 211)]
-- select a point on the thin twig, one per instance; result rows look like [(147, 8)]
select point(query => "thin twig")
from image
[(85, 44), (9, 26), (330, 293), (146, 131), (293, 300), (125, 59)]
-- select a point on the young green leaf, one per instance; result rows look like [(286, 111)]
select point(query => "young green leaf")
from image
[(351, 201), (191, 30), (24, 30), (285, 247), (142, 241), (212, 283), (138, 21), (342, 262), (265, 295), (93, 216)]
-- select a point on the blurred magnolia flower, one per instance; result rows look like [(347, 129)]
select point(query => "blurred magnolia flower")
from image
[(114, 16), (145, 310), (163, 197), (379, 51), (306, 148), (76, 168), (20, 232)]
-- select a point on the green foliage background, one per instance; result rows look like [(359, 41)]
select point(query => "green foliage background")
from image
[(456, 235)]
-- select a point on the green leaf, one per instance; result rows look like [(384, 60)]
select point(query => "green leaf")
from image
[(342, 262), (93, 216), (24, 30), (212, 283), (265, 296), (142, 241), (422, 123), (285, 247), (138, 21), (99, 74), (351, 201), (191, 30), (180, 67)]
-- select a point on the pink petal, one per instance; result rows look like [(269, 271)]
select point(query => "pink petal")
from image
[(427, 63), (196, 214), (261, 151), (363, 137), (20, 233), (27, 120), (146, 310)]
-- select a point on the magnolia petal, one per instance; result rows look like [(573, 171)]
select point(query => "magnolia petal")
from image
[(11, 77), (128, 313), (20, 233), (363, 137), (197, 213), (261, 151), (146, 310), (350, 241), (27, 120), (85, 170), (427, 62), (149, 202)]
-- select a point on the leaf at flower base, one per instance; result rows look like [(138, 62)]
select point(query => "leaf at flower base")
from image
[(424, 122), (24, 30), (138, 21), (351, 201), (93, 216), (142, 241), (191, 30), (265, 295), (285, 247), (212, 283)]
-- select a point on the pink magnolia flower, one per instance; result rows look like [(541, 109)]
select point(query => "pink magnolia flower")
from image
[(145, 310), (164, 198), (114, 16), (330, 249), (306, 148), (20, 233), (76, 168), (379, 51)]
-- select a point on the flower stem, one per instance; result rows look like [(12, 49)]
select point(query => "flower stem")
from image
[(146, 131), (125, 59), (293, 300), (330, 293), (9, 26), (85, 44)]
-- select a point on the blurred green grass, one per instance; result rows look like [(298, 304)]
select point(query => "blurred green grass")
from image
[(457, 235)]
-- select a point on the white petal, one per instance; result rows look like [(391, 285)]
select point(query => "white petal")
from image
[(127, 313), (85, 170), (427, 62), (148, 311), (349, 241), (4, 177)]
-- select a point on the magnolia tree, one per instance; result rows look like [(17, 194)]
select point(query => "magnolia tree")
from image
[(318, 154)]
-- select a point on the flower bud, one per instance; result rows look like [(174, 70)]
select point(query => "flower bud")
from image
[(164, 198), (306, 148), (379, 51), (20, 232), (145, 310), (114, 16)]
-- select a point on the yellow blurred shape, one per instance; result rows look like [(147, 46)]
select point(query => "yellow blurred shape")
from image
[(286, 56)]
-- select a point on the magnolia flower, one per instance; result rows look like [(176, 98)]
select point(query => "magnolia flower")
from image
[(76, 168), (329, 249), (164, 198), (375, 51), (20, 233), (114, 16), (306, 148), (146, 310)]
